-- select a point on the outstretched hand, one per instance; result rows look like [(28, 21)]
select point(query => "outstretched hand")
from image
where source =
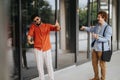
[(82, 28)]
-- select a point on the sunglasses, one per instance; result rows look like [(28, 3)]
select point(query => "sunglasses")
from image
[(36, 20)]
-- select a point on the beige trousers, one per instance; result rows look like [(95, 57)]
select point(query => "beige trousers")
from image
[(42, 57)]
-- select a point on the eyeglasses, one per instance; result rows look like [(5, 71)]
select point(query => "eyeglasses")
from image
[(36, 20)]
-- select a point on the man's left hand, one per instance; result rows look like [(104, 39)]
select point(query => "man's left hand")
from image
[(57, 25)]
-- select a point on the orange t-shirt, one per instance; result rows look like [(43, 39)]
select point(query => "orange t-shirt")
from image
[(41, 35)]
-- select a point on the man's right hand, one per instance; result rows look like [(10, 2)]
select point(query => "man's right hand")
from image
[(82, 28), (29, 40)]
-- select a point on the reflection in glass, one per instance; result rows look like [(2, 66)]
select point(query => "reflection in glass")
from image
[(46, 10), (13, 41)]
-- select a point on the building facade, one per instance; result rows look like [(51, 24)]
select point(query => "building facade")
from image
[(70, 46)]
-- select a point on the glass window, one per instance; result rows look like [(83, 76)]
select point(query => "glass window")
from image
[(87, 17), (83, 36), (45, 8)]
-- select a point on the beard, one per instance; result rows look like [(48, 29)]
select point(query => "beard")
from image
[(38, 23)]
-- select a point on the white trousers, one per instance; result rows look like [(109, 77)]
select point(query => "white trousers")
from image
[(40, 58)]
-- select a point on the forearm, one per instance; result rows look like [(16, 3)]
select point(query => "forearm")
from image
[(85, 28), (104, 39), (89, 29), (29, 39)]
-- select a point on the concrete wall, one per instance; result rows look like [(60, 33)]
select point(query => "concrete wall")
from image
[(63, 25)]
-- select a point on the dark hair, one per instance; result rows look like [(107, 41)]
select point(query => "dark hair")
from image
[(33, 16), (103, 14)]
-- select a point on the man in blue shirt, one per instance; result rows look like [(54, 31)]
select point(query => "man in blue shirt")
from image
[(98, 38)]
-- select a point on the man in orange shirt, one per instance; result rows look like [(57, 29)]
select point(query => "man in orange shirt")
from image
[(39, 35)]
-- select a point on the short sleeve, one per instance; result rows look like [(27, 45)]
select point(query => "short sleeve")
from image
[(31, 30), (52, 27)]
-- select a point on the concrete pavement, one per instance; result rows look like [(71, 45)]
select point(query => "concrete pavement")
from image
[(85, 71)]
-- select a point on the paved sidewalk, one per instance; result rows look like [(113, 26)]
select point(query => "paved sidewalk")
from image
[(85, 71)]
